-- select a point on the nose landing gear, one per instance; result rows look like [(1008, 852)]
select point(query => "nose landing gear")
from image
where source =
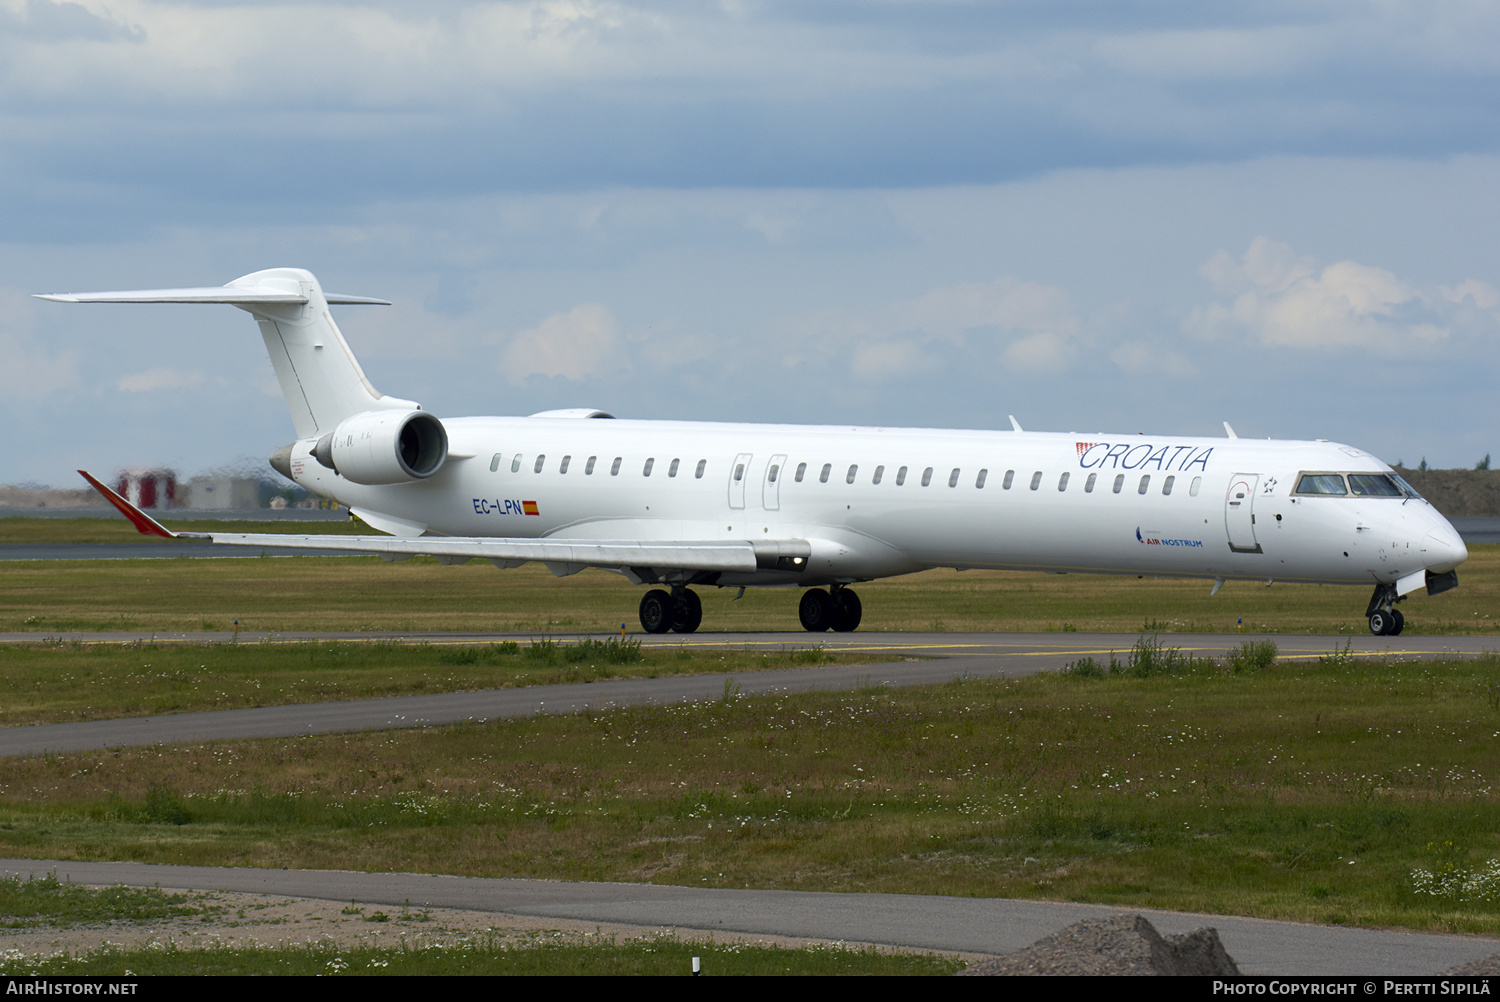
[(837, 609), (1385, 620)]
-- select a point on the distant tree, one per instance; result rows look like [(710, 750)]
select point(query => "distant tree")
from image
[(1484, 463), (1399, 464), (1423, 466)]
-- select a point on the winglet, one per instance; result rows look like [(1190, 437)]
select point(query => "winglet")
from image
[(144, 523)]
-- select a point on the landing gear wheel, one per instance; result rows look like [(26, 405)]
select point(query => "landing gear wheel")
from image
[(1382, 623), (847, 610), (657, 609), (816, 610), (689, 612), (1400, 623)]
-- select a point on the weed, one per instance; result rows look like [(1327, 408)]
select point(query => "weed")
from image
[(1338, 658), (1252, 655)]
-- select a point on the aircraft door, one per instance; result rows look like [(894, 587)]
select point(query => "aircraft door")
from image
[(1239, 513), (771, 491), (738, 471)]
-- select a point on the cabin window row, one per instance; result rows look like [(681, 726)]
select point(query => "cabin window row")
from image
[(956, 475), (566, 463)]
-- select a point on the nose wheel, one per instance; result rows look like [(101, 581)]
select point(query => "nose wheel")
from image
[(1385, 620), (837, 609), (1387, 623)]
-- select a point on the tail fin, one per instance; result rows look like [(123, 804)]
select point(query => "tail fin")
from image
[(319, 376)]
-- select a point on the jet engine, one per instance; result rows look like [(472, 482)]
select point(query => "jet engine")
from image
[(384, 447)]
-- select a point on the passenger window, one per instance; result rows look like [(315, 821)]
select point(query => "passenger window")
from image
[(1088, 485), (1145, 484), (614, 468), (852, 471), (588, 468), (702, 465), (953, 478), (1036, 480), (1062, 482), (495, 463), (1166, 486), (879, 472), (927, 476), (979, 480), (515, 464), (539, 461), (801, 471), (827, 469), (563, 466), (1010, 477), (775, 471), (1119, 482), (1193, 487), (672, 470), (901, 477), (739, 472)]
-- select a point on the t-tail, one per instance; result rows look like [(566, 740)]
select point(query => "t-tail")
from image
[(351, 427)]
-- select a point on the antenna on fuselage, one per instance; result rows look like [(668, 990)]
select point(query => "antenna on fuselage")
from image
[(1016, 425), (1229, 431)]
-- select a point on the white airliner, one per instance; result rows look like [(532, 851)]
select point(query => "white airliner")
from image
[(681, 504)]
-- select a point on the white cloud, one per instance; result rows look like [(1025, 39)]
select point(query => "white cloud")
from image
[(1281, 299), (1140, 357), (579, 343), (28, 374), (1030, 327), (161, 379)]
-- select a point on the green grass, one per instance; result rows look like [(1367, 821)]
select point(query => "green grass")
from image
[(662, 956), (61, 682), (1297, 791), (420, 595), (46, 901)]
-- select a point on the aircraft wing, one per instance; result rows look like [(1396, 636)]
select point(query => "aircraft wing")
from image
[(560, 555)]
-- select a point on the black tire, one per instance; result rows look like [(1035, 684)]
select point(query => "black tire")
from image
[(689, 612), (1400, 623), (657, 609), (1381, 623), (816, 610), (847, 611)]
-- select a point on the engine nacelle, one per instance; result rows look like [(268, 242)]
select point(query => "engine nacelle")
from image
[(385, 447)]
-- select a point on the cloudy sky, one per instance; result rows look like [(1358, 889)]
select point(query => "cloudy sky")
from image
[(1130, 216)]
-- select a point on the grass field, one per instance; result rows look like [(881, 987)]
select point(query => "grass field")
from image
[(60, 682), (1360, 792), (367, 593)]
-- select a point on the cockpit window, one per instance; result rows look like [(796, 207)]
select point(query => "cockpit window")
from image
[(1408, 488), (1321, 483), (1373, 485)]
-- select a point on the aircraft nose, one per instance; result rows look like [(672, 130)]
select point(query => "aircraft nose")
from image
[(1443, 549)]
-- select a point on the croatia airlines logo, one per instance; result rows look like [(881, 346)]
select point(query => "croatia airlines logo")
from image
[(1142, 456)]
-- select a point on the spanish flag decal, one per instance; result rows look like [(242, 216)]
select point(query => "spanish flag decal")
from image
[(529, 508)]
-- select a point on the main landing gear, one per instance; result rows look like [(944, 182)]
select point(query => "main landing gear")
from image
[(836, 609), (1385, 620), (679, 610)]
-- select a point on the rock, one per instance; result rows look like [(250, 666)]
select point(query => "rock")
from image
[(1118, 945)]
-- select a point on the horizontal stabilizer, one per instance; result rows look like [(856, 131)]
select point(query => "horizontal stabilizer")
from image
[(233, 295)]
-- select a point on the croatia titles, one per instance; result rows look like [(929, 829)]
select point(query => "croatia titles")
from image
[(1143, 456)]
